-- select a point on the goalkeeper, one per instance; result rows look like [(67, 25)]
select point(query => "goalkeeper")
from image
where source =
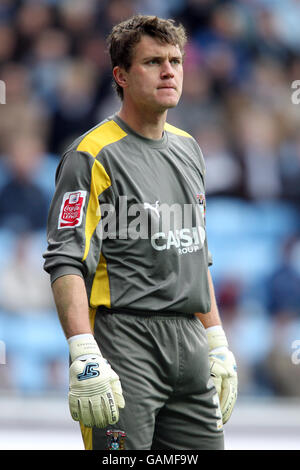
[(150, 364)]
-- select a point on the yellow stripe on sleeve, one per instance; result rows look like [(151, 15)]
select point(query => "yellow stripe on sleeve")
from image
[(93, 143), (100, 294), (99, 182)]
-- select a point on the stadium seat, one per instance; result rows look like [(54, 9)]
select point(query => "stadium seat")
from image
[(33, 340)]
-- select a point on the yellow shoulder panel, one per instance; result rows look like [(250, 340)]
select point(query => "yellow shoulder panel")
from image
[(106, 134), (100, 181), (175, 130)]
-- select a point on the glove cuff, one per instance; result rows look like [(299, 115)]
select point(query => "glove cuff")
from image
[(216, 337), (81, 345)]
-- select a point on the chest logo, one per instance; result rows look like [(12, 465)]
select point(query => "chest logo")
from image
[(153, 207)]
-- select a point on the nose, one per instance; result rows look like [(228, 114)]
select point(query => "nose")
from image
[(167, 70)]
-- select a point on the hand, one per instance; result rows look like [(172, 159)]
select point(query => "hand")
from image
[(223, 370), (95, 393)]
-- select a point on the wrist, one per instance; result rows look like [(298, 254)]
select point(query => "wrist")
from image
[(215, 328), (216, 337), (83, 345)]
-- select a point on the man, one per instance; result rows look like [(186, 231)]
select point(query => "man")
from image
[(130, 291)]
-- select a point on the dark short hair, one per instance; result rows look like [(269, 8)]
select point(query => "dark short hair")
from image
[(127, 34)]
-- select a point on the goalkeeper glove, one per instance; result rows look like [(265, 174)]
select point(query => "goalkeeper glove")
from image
[(95, 393), (223, 370)]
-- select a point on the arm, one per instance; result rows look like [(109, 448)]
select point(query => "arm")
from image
[(96, 399), (222, 361), (95, 392), (72, 305), (211, 318)]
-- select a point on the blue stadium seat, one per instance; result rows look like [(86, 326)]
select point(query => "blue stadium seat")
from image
[(45, 177), (245, 238), (231, 216), (243, 256), (33, 340), (39, 332), (7, 240), (277, 218)]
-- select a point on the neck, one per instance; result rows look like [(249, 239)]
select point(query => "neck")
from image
[(145, 123)]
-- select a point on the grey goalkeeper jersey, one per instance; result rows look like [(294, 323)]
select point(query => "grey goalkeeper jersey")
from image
[(128, 215)]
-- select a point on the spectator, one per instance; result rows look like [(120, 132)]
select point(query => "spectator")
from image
[(283, 285), (50, 54), (257, 133), (223, 169), (277, 366), (23, 289), (76, 104), (7, 44), (23, 205), (23, 113), (289, 155), (241, 60)]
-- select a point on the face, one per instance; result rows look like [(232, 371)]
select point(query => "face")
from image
[(154, 80)]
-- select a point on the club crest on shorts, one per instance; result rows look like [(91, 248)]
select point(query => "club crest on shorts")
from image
[(115, 439), (71, 210)]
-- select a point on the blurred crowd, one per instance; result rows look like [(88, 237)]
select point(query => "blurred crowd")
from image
[(241, 60)]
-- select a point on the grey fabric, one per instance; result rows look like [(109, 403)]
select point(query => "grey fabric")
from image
[(167, 270), (162, 362)]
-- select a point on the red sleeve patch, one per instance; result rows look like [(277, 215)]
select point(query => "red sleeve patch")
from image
[(71, 210)]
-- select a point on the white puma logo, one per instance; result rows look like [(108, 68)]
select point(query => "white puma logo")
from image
[(153, 207)]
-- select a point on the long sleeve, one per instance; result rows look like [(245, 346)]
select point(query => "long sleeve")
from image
[(74, 216)]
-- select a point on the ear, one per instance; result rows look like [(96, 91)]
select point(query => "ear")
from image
[(120, 76)]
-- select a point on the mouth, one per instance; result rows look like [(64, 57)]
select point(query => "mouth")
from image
[(166, 88)]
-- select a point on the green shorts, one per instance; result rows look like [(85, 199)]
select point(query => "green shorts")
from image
[(170, 399)]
